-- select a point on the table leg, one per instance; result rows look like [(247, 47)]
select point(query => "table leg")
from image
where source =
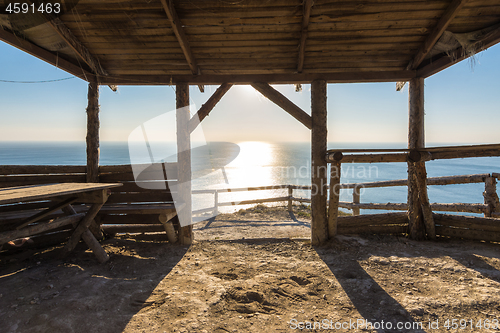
[(83, 226), (94, 245)]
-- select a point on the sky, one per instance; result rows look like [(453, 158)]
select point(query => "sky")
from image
[(462, 105)]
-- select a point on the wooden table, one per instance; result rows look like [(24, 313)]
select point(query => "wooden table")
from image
[(65, 194)]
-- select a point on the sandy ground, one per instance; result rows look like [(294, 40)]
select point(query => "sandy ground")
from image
[(255, 272)]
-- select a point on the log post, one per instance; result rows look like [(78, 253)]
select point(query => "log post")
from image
[(290, 196), (93, 133), (319, 223), (415, 141), (184, 162), (356, 199), (490, 196), (333, 206), (421, 179), (92, 141)]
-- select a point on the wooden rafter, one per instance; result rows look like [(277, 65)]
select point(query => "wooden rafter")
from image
[(44, 54), (436, 33), (80, 50), (446, 61), (434, 36), (169, 8), (303, 36), (337, 77), (208, 106), (279, 99)]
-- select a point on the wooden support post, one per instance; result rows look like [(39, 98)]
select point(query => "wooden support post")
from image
[(93, 133), (93, 145), (415, 141), (421, 179), (356, 199), (319, 223), (184, 162), (290, 196), (490, 196), (333, 207)]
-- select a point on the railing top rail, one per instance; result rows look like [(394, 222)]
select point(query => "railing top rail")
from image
[(426, 149), (446, 180)]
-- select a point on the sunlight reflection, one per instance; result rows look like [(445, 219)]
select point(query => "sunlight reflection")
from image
[(252, 167)]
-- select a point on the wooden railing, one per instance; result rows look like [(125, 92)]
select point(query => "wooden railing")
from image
[(356, 204)]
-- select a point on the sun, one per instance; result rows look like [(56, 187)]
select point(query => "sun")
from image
[(245, 89)]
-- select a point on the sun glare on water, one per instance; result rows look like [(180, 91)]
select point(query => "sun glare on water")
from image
[(253, 165)]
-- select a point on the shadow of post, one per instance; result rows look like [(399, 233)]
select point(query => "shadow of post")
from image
[(372, 302)]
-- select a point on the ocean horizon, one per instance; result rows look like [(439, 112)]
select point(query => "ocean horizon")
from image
[(256, 163)]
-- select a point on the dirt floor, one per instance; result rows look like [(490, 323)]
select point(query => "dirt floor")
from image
[(255, 271)]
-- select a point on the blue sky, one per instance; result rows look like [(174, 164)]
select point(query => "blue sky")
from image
[(462, 106)]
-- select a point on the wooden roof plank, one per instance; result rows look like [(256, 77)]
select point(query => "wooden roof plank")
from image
[(168, 6), (305, 24)]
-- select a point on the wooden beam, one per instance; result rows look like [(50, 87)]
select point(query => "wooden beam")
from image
[(303, 37), (415, 141), (169, 8), (436, 33), (490, 39), (184, 163), (434, 36), (292, 78), (43, 54), (93, 133), (319, 223), (279, 99), (208, 106)]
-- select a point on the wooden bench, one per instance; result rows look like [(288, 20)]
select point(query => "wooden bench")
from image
[(139, 206)]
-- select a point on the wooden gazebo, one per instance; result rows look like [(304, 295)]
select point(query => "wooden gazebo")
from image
[(263, 42)]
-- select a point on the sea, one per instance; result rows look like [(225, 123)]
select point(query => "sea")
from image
[(222, 165)]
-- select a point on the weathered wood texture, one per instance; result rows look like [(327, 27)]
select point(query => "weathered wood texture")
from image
[(436, 32), (467, 227), (279, 99), (303, 34), (184, 163), (356, 199), (490, 196), (421, 180), (319, 223), (388, 223), (441, 207), (93, 133), (416, 137), (149, 42), (333, 206), (39, 228)]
